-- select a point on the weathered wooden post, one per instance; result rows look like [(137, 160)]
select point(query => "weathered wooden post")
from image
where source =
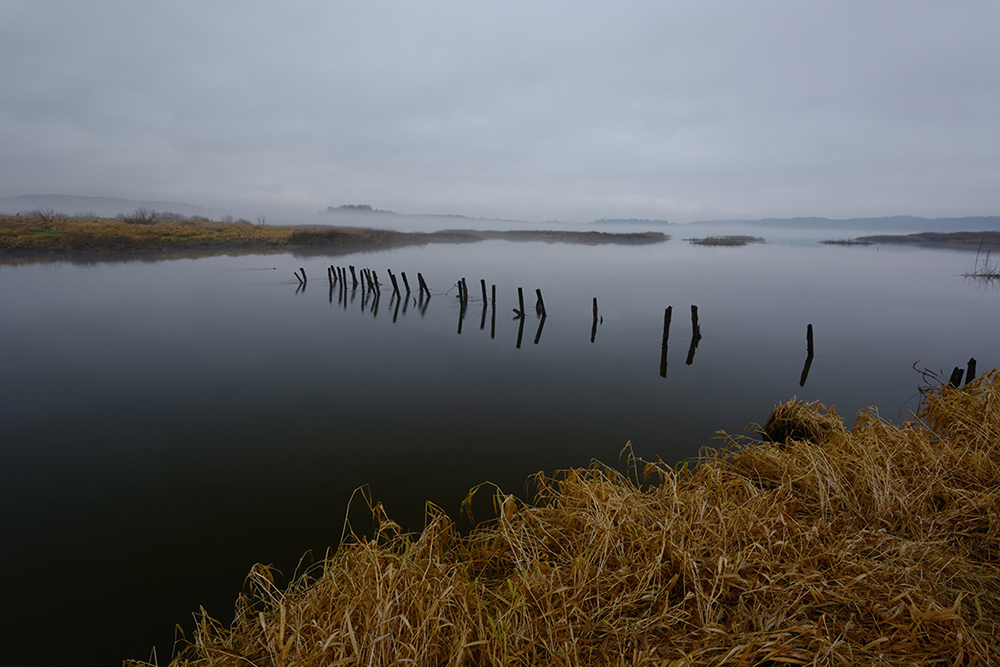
[(329, 276), (809, 356), (695, 329), (667, 314), (539, 304), (493, 317), (593, 329), (299, 278), (354, 278), (956, 377), (482, 282), (970, 375), (520, 303), (406, 282), (465, 293), (395, 285), (423, 285), (304, 279)]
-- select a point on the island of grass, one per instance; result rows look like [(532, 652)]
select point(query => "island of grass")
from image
[(877, 545), (47, 234), (729, 240), (938, 239)]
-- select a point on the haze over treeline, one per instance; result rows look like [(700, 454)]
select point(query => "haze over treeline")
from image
[(577, 111)]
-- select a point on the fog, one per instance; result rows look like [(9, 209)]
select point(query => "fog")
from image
[(507, 110)]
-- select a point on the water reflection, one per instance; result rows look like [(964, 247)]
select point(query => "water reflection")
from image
[(199, 418)]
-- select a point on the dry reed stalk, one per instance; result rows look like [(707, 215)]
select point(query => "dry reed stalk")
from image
[(875, 546)]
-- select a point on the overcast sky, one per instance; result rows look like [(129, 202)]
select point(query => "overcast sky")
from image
[(530, 110)]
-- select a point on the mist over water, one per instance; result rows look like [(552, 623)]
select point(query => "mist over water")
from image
[(168, 424)]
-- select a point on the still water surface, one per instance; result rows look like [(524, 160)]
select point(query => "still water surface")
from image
[(165, 425)]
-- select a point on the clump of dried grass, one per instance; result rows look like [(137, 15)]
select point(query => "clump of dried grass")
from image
[(798, 420), (875, 546)]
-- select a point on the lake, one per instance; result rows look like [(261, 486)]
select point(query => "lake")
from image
[(166, 425)]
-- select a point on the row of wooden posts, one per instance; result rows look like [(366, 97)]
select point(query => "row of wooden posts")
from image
[(369, 279)]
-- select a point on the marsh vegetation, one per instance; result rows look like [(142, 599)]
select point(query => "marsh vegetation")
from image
[(727, 240), (869, 545), (42, 232)]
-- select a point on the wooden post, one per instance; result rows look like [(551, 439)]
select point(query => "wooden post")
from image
[(423, 285), (354, 278), (378, 285), (809, 340), (465, 293), (329, 276), (540, 304), (493, 316), (483, 283), (406, 282), (956, 377), (593, 329), (520, 303), (395, 285), (304, 279), (695, 329), (299, 278), (667, 314), (970, 375)]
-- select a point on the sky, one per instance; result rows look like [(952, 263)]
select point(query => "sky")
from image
[(538, 110)]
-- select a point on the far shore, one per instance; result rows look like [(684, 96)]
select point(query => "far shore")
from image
[(31, 238)]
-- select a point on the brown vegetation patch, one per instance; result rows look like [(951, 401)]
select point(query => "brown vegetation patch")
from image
[(875, 547)]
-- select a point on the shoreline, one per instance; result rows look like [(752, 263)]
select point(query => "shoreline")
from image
[(29, 239), (856, 546)]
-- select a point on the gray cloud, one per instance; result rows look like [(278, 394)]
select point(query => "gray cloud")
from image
[(530, 110)]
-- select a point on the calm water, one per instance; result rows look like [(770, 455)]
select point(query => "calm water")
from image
[(166, 425)]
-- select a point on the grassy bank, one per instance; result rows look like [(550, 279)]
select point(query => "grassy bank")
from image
[(49, 235), (876, 545)]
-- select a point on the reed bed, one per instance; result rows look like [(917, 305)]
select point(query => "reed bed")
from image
[(876, 545)]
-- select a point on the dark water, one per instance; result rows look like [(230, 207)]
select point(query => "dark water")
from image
[(167, 425)]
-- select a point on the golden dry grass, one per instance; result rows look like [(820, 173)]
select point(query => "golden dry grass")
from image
[(46, 235), (876, 545), (33, 234)]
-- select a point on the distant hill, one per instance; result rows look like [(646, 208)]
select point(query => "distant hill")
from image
[(630, 221), (890, 223), (99, 206)]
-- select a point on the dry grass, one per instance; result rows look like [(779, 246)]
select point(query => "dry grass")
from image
[(871, 546), (43, 234), (78, 234)]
